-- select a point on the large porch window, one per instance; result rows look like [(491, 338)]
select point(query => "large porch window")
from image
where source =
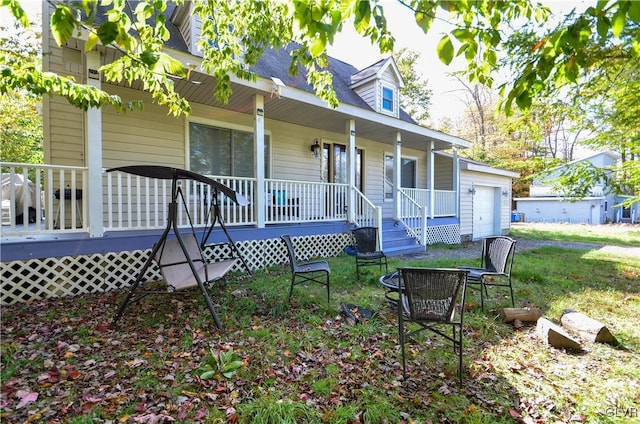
[(223, 151), (407, 175)]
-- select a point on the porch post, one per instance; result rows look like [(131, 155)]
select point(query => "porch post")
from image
[(397, 177), (258, 154), (456, 180), (430, 179), (351, 170), (93, 138)]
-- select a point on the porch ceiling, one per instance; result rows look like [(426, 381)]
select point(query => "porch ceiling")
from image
[(302, 108), (302, 113)]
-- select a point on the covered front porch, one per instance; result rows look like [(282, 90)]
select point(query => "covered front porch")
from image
[(134, 203)]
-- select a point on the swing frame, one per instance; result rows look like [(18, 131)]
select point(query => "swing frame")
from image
[(220, 268)]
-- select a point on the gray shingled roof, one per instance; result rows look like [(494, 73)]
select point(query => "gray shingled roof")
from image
[(275, 63)]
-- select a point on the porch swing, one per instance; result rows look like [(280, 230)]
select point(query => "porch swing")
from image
[(180, 259)]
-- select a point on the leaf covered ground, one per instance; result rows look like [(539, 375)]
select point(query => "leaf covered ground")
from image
[(305, 362)]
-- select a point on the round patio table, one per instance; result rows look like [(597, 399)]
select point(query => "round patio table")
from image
[(393, 286)]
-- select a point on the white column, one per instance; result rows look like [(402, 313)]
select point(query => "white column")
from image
[(430, 178), (456, 179), (258, 154), (397, 176), (351, 169), (93, 139)]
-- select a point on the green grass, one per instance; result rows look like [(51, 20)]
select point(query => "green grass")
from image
[(304, 363), (619, 236)]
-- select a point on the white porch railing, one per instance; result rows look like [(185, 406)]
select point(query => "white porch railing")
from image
[(444, 203), (366, 213), (414, 217), (301, 201), (135, 202), (42, 198)]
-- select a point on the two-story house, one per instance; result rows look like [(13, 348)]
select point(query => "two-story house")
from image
[(307, 169)]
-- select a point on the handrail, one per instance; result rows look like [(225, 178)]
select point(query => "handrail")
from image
[(414, 217)]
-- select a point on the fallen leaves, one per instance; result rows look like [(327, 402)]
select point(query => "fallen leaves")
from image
[(25, 397)]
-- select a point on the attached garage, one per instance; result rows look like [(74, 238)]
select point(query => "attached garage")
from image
[(485, 200)]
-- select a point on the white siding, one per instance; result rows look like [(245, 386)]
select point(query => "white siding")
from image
[(64, 126), (586, 211), (368, 94), (148, 137), (443, 173)]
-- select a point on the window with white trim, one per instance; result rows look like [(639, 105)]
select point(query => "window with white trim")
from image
[(388, 100), (223, 151)]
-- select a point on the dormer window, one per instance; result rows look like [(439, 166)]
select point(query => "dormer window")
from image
[(387, 99)]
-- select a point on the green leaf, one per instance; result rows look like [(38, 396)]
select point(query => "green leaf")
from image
[(362, 17), (63, 22), (634, 11), (318, 46), (619, 19), (108, 32), (207, 375), (424, 21), (524, 100), (445, 50), (92, 41), (233, 365), (603, 27), (17, 11)]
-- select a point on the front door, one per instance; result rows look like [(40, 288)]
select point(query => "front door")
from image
[(335, 170)]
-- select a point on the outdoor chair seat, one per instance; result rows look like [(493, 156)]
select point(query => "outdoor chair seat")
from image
[(176, 269), (496, 263)]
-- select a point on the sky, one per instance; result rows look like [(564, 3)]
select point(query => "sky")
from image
[(352, 48), (448, 95)]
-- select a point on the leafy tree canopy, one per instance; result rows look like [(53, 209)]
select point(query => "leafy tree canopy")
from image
[(234, 35)]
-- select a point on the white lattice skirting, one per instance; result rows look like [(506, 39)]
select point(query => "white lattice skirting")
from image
[(73, 275), (447, 234)]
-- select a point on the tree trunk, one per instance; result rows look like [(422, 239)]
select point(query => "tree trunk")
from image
[(555, 335), (589, 328), (529, 314)]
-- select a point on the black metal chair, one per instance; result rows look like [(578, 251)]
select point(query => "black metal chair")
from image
[(496, 263), (368, 252), (429, 298), (301, 272)]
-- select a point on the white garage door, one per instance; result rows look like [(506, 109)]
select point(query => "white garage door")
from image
[(484, 212)]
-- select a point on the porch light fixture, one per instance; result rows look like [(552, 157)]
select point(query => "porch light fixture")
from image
[(315, 148), (505, 193), (276, 88), (472, 191)]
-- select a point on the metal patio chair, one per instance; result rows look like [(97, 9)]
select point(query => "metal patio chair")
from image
[(495, 266), (368, 252), (429, 298), (301, 272)]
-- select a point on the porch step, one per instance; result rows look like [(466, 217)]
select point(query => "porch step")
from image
[(395, 240)]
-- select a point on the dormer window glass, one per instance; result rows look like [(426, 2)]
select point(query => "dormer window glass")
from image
[(387, 99)]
